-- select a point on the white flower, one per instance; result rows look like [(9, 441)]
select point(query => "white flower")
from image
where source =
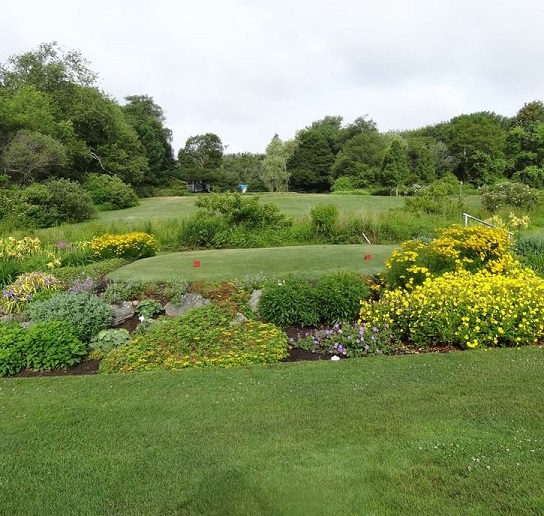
[(142, 318), (335, 357)]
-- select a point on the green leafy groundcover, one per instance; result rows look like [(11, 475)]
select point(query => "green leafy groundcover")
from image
[(201, 337)]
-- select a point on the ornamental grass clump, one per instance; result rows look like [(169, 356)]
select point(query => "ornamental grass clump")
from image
[(464, 309), (130, 246), (201, 337), (455, 248), (15, 298)]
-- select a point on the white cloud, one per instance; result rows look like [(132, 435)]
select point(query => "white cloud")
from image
[(246, 70)]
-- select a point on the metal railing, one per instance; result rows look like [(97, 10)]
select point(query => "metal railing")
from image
[(468, 217)]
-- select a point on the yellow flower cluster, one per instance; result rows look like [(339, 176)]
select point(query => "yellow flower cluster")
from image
[(131, 246), (455, 248), (513, 223), (11, 248), (465, 309)]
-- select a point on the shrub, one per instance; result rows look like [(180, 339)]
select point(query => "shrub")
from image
[(339, 296), (130, 246), (120, 291), (200, 230), (52, 345), (54, 202), (289, 301), (530, 251), (509, 194), (324, 218), (464, 309), (109, 192), (12, 341), (236, 209), (94, 270), (471, 248), (87, 313), (201, 337), (15, 297)]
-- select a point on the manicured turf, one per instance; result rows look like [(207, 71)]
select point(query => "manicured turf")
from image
[(414, 435), (312, 261), (293, 205)]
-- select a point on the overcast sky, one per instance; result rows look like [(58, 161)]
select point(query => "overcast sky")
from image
[(247, 69)]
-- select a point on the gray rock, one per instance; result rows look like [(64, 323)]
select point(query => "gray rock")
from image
[(239, 319), (255, 300), (122, 312), (10, 318), (187, 301)]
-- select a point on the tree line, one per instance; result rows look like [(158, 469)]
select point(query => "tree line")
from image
[(56, 123)]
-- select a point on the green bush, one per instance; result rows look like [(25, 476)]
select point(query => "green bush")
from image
[(109, 192), (289, 301), (201, 337), (339, 296), (52, 345), (88, 314), (147, 308), (52, 203), (324, 218), (510, 194), (530, 251), (106, 340), (12, 342), (200, 230)]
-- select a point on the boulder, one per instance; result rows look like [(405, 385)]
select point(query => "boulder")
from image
[(255, 300), (187, 301), (122, 312)]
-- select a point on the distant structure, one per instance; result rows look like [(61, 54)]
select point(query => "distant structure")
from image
[(198, 187)]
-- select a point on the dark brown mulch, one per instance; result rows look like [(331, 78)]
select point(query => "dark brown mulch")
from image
[(87, 367)]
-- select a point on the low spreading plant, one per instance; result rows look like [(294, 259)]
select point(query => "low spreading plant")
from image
[(52, 345), (201, 337), (106, 340), (464, 309), (16, 297), (130, 246), (87, 313), (147, 308), (227, 294), (347, 340), (120, 291)]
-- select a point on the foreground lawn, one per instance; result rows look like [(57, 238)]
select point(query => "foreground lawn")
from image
[(222, 264), (426, 434)]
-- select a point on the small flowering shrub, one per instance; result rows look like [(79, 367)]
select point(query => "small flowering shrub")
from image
[(510, 194), (456, 248), (464, 309), (131, 246), (349, 340), (201, 337), (87, 313), (15, 297)]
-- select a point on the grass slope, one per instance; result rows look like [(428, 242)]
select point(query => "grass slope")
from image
[(220, 264), (427, 434)]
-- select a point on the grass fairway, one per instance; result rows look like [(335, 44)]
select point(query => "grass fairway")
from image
[(440, 434), (293, 205), (221, 264)]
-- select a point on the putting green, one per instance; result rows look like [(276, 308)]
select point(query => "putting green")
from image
[(220, 264)]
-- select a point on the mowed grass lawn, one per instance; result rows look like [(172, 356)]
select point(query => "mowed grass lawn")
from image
[(222, 264), (436, 434), (291, 204)]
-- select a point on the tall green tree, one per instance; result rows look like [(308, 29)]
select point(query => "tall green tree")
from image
[(311, 163), (201, 158), (396, 171), (275, 175), (147, 119)]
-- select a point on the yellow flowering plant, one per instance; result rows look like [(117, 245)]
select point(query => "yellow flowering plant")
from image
[(465, 309), (16, 296), (130, 246), (455, 248)]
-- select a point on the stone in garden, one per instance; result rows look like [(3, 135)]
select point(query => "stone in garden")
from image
[(122, 312), (187, 302), (11, 318), (239, 319), (255, 300)]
